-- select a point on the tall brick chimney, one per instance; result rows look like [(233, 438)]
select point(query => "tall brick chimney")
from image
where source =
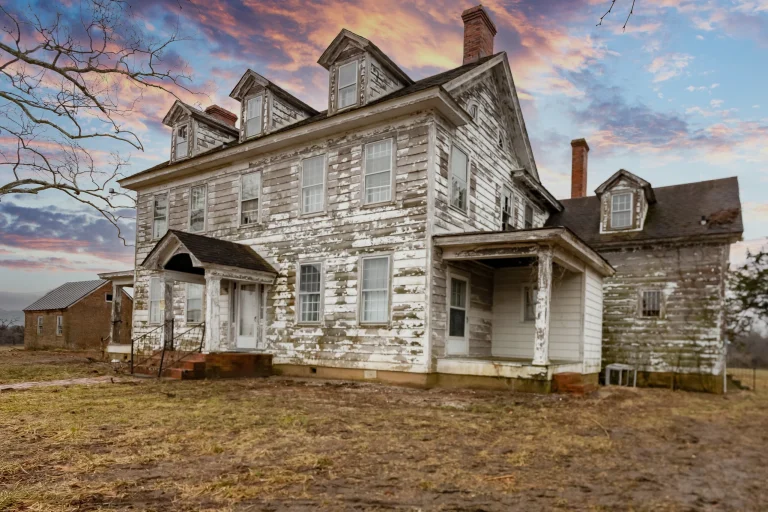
[(579, 152), (222, 114), (479, 31)]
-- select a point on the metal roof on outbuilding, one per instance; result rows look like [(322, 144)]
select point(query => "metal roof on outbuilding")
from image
[(65, 295)]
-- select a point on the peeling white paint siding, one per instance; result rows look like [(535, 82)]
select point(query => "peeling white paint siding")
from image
[(380, 81), (282, 114), (208, 137)]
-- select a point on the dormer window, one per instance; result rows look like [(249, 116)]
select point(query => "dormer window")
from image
[(253, 116), (182, 142), (347, 84), (621, 210)]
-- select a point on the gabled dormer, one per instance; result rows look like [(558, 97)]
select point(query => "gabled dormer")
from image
[(196, 131), (265, 107), (358, 72), (624, 200)]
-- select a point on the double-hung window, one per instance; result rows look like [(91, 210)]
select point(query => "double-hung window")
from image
[(529, 303), (651, 304), (39, 325), (309, 292), (375, 290), (194, 303), (250, 195), (253, 109), (506, 209), (313, 184), (621, 210), (59, 325), (528, 216), (155, 299), (348, 84), (459, 174), (458, 308), (197, 209), (378, 171), (160, 215), (182, 142)]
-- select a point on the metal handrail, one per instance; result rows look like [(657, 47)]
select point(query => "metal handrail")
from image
[(174, 348), (136, 340)]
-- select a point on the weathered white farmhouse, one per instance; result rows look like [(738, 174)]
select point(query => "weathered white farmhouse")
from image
[(400, 235)]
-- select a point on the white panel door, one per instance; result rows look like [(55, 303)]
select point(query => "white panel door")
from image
[(248, 302)]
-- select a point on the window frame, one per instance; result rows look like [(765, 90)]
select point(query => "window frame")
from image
[(506, 191), (321, 292), (356, 62), (528, 208), (186, 304), (630, 209), (641, 304), (204, 186), (39, 325), (107, 296), (240, 199), (160, 300), (458, 147), (324, 185), (361, 290), (167, 195), (246, 100), (534, 297), (392, 169), (176, 128), (60, 325), (467, 298)]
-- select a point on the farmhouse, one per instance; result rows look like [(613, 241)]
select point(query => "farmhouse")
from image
[(401, 235)]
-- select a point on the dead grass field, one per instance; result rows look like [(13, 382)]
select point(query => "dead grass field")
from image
[(19, 365), (279, 444)]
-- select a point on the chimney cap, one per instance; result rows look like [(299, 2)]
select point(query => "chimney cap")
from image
[(580, 142), (480, 11)]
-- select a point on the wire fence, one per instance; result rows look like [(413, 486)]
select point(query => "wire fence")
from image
[(745, 371)]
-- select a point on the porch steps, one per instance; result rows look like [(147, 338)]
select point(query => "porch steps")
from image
[(208, 366), (572, 384)]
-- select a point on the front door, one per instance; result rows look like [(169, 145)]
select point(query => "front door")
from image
[(248, 316), (458, 318)]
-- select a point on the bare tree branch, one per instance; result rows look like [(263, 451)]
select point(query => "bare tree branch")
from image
[(610, 8)]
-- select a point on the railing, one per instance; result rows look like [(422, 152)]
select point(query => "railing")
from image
[(143, 347), (182, 346)]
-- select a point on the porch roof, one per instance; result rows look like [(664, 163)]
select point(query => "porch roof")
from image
[(569, 250)]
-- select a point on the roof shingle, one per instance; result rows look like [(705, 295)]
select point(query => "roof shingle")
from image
[(65, 295)]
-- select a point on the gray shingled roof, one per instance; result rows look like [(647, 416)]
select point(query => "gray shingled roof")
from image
[(677, 213), (65, 295)]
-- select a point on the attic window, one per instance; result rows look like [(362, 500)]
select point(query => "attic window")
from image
[(473, 111), (348, 84), (253, 116), (182, 142), (621, 210)]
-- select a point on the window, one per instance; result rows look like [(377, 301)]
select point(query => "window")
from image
[(39, 325), (506, 209), (155, 299), (473, 110), (621, 210), (348, 84), (250, 192), (108, 297), (59, 325), (160, 216), (182, 142), (651, 306), (458, 309), (197, 208), (309, 292), (378, 171), (313, 185), (375, 289), (530, 295), (459, 171), (500, 142), (194, 303), (528, 216), (253, 116)]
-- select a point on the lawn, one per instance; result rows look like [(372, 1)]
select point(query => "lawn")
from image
[(281, 444), (19, 365)]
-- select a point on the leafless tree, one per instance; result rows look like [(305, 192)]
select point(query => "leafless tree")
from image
[(69, 82), (610, 8)]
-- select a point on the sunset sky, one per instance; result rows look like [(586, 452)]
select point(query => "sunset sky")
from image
[(679, 96)]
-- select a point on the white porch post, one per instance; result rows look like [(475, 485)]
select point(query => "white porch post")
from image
[(117, 308), (541, 339), (212, 312), (167, 311)]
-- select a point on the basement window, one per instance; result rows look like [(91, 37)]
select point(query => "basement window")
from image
[(651, 304)]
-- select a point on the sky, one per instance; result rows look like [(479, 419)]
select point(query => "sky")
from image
[(678, 96)]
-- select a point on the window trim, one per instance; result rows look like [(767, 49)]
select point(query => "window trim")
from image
[(464, 211), (107, 295), (60, 325), (204, 186), (39, 325), (392, 171), (467, 297), (641, 309), (473, 104), (523, 317), (262, 115), (321, 312), (186, 304), (167, 213), (356, 61), (324, 209), (175, 147), (160, 300), (240, 199), (360, 303), (631, 210)]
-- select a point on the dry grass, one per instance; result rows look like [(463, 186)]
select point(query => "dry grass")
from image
[(280, 444), (19, 365)]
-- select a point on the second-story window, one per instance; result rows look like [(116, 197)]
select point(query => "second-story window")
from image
[(621, 210), (348, 84), (253, 116), (197, 209), (458, 184), (378, 171), (160, 216), (182, 142), (506, 209), (250, 195), (313, 185), (528, 216)]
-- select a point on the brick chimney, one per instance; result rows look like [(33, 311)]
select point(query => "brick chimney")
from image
[(478, 34), (222, 114), (579, 151)]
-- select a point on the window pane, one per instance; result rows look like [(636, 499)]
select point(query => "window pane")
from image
[(253, 116), (194, 303), (312, 199), (347, 96), (197, 209), (458, 293), (160, 224), (458, 193), (530, 304), (375, 289), (251, 189), (456, 322), (251, 186), (652, 303), (309, 278), (312, 196), (375, 306), (348, 74), (377, 187), (375, 273), (528, 217), (459, 162), (621, 219), (250, 212), (378, 157), (313, 171), (309, 307)]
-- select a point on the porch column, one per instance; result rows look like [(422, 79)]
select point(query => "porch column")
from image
[(212, 311), (117, 308), (541, 338), (167, 311)]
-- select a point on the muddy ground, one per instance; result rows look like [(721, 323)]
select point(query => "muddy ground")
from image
[(281, 444)]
